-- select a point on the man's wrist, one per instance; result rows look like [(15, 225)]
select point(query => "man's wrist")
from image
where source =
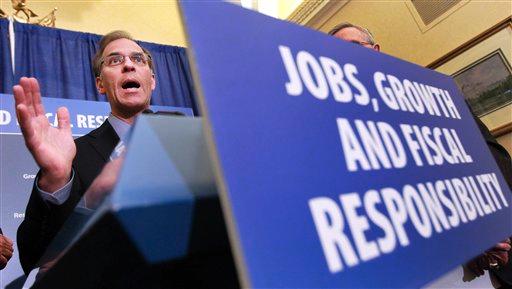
[(51, 182)]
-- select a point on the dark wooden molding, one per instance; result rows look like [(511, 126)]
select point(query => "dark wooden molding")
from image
[(502, 130), (472, 42)]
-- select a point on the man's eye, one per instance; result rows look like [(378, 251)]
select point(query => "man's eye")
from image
[(115, 60), (138, 58)]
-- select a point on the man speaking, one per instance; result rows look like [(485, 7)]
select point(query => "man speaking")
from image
[(124, 72)]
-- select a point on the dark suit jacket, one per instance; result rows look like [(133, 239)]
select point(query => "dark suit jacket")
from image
[(42, 220), (499, 153), (504, 162)]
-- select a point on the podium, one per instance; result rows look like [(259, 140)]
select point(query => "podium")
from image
[(162, 225)]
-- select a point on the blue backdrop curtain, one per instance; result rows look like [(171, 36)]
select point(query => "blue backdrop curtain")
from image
[(173, 78), (6, 75), (61, 61)]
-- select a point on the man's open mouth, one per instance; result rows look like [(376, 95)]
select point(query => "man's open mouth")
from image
[(130, 84)]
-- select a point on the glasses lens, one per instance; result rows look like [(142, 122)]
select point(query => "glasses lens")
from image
[(113, 60), (138, 58), (117, 59)]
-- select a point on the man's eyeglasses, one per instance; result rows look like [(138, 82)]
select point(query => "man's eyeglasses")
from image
[(139, 59), (362, 43)]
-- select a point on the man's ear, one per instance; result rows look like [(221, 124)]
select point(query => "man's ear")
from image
[(376, 47), (99, 85), (153, 81)]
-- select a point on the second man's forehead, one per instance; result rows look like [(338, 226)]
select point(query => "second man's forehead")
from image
[(122, 46), (352, 31)]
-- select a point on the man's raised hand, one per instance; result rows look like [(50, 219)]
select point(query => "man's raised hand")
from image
[(52, 148)]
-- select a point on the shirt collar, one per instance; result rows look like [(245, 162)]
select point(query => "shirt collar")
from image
[(119, 126)]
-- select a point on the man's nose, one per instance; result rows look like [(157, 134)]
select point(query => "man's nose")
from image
[(128, 65)]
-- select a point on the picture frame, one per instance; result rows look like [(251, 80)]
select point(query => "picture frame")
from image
[(471, 61), (486, 83)]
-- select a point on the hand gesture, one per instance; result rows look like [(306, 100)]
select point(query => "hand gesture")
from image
[(53, 149), (5, 250), (493, 258)]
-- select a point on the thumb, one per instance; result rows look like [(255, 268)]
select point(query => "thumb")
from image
[(63, 118)]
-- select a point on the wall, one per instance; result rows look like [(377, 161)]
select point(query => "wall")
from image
[(286, 7), (394, 27), (148, 20)]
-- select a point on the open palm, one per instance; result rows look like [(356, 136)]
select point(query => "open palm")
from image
[(53, 148)]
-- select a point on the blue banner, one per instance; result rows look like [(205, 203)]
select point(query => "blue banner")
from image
[(85, 115), (342, 167)]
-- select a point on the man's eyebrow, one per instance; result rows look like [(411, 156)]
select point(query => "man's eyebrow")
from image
[(131, 53), (113, 53)]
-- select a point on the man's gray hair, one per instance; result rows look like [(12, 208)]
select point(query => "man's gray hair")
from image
[(110, 37), (343, 25)]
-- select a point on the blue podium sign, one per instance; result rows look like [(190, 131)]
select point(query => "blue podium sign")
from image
[(340, 167)]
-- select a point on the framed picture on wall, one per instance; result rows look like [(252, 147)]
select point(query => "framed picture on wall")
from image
[(486, 84), (482, 69)]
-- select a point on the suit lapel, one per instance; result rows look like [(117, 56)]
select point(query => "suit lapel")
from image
[(104, 140)]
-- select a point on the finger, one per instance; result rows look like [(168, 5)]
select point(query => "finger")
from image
[(501, 258), (3, 262), (9, 241), (7, 254), (19, 94), (19, 98), (36, 97), (503, 246), (27, 88), (484, 262), (24, 119), (473, 266), (63, 118), (4, 244), (8, 249), (479, 272)]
